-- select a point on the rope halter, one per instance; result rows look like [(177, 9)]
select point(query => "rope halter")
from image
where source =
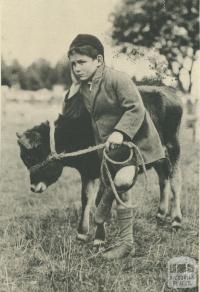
[(59, 156)]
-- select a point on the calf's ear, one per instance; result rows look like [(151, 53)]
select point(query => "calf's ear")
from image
[(24, 141), (18, 135), (46, 123), (19, 138)]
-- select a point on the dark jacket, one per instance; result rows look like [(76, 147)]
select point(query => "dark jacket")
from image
[(114, 103)]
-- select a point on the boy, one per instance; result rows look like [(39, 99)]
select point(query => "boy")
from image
[(118, 114)]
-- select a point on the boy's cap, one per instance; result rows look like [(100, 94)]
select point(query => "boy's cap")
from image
[(87, 40)]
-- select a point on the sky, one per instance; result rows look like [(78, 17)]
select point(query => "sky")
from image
[(32, 29)]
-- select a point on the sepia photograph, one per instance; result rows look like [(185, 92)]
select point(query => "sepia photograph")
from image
[(100, 135)]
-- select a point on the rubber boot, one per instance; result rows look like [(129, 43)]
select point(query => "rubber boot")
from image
[(102, 212), (124, 244)]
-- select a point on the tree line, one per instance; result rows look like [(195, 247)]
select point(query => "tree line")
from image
[(171, 27), (40, 74)]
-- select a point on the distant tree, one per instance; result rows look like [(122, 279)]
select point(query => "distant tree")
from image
[(40, 74), (62, 71), (33, 79), (5, 74), (18, 75), (11, 74), (171, 26)]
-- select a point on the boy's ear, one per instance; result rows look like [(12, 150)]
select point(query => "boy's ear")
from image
[(100, 60)]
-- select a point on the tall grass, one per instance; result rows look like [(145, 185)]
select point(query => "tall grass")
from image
[(39, 251)]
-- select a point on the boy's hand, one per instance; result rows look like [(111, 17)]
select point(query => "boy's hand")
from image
[(114, 140), (75, 80), (75, 85)]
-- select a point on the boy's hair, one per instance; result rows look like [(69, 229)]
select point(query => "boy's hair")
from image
[(85, 50), (86, 44)]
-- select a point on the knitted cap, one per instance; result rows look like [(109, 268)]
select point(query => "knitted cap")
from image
[(87, 40)]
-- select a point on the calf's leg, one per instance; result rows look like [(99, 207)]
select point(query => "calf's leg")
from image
[(104, 201), (100, 235), (164, 184), (175, 182), (88, 196)]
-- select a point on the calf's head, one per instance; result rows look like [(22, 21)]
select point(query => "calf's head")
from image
[(34, 149)]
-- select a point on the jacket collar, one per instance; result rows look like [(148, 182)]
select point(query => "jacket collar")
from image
[(95, 86), (99, 72), (96, 77)]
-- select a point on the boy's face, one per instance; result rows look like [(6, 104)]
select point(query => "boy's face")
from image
[(83, 66)]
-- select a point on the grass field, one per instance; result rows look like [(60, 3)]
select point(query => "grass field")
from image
[(39, 251)]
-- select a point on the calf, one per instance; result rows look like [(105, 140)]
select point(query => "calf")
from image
[(73, 131)]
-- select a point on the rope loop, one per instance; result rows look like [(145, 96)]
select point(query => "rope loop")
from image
[(59, 156), (105, 154)]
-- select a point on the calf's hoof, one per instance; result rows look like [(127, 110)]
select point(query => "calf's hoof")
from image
[(161, 217), (98, 242), (176, 224), (82, 237)]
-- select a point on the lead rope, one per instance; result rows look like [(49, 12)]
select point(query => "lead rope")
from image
[(106, 158), (55, 156)]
